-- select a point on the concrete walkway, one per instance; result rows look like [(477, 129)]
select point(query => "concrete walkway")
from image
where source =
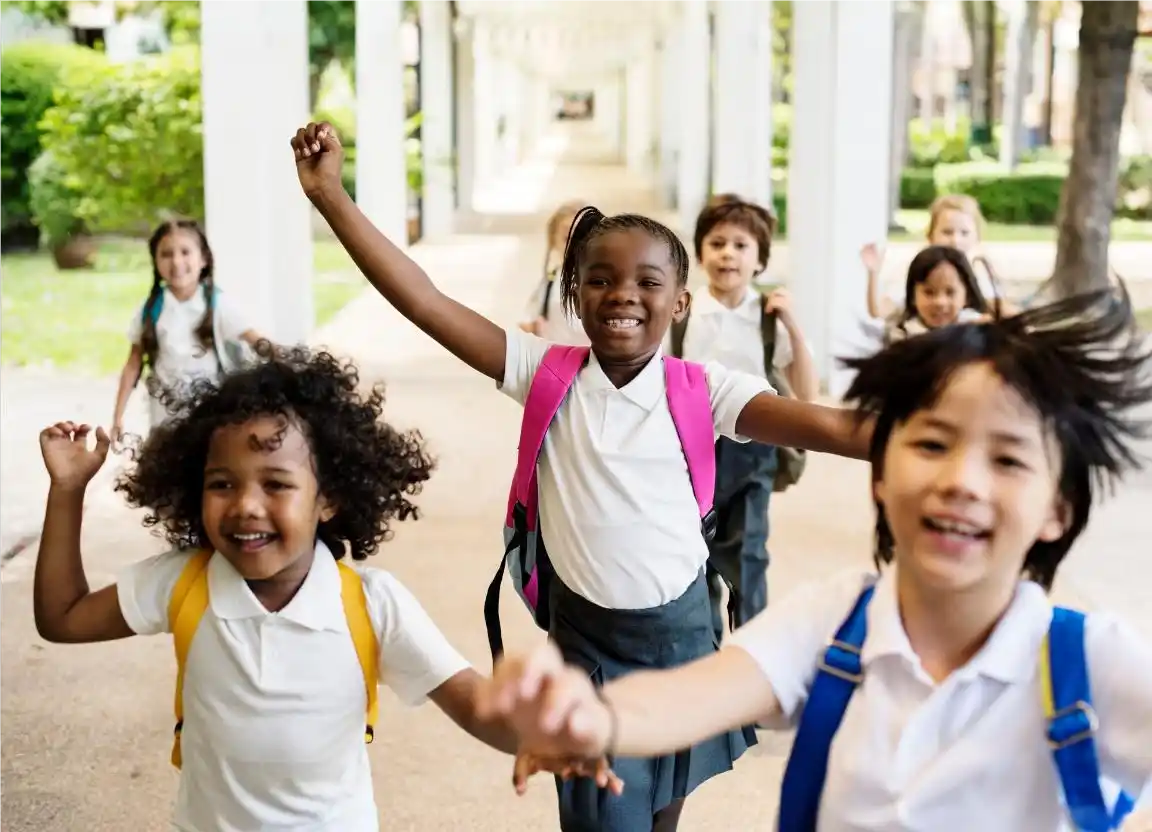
[(87, 729)]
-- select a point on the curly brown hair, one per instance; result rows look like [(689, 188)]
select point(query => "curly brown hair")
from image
[(363, 465)]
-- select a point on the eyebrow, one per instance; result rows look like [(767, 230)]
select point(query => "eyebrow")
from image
[(1007, 437), (610, 267), (268, 469)]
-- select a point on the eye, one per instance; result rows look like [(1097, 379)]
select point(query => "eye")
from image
[(1006, 461), (216, 485), (931, 446), (278, 485)]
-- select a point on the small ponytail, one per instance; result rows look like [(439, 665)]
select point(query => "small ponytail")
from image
[(586, 220)]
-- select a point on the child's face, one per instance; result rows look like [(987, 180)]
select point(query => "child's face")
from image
[(180, 261), (730, 256), (940, 297), (629, 293), (261, 502), (956, 230), (969, 484)]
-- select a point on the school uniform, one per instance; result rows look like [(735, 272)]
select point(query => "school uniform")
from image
[(274, 703), (971, 752), (899, 330), (622, 527), (181, 358), (745, 471)]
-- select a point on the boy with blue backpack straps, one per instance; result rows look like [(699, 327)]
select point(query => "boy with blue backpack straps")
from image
[(945, 693)]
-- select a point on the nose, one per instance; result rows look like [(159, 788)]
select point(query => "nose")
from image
[(622, 293), (964, 475), (247, 502)]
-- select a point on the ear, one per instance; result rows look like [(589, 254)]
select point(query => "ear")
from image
[(327, 509), (683, 304), (1057, 522)]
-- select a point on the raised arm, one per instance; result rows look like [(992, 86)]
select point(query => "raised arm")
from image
[(471, 337), (778, 420), (65, 609)]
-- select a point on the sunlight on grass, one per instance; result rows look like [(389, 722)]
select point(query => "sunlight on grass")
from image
[(76, 321)]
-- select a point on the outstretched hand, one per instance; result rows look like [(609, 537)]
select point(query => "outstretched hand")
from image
[(70, 463), (528, 764), (872, 256), (319, 158)]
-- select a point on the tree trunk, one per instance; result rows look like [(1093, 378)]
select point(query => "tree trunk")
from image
[(1049, 78), (990, 10), (1107, 36), (1023, 22)]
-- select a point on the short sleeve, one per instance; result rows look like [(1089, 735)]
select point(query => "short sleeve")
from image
[(232, 318), (145, 588), (1120, 670), (415, 657), (135, 328), (730, 392), (523, 354), (787, 638)]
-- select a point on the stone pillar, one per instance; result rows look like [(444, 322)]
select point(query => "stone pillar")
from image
[(638, 114), (838, 182), (437, 105), (669, 120), (465, 145), (255, 96), (381, 178), (742, 112), (485, 110), (693, 105)]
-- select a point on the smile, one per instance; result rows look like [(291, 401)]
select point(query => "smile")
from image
[(252, 541), (956, 528), (622, 323)]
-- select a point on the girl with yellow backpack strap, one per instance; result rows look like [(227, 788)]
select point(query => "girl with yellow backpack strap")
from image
[(945, 693), (264, 485)]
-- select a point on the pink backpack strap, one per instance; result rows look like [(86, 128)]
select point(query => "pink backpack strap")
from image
[(690, 403), (549, 386)]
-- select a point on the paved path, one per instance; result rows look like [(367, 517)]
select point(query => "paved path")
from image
[(87, 729)]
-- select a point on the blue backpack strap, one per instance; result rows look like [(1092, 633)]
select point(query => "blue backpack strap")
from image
[(837, 675), (150, 311), (550, 385), (1067, 700)]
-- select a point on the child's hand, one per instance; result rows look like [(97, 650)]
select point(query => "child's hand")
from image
[(535, 327), (319, 158), (528, 764), (70, 464), (872, 258), (552, 707), (780, 301)]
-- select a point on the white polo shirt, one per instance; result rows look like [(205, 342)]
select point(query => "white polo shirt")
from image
[(274, 703), (732, 336), (970, 752), (617, 510), (180, 356)]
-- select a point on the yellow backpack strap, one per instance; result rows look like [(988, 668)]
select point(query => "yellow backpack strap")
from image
[(363, 638), (185, 609)]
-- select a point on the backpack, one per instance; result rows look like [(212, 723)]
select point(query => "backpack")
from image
[(231, 355), (525, 557), (1067, 702), (190, 600), (790, 461)]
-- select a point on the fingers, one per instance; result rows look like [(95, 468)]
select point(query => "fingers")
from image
[(518, 680), (313, 139), (523, 768), (103, 443)]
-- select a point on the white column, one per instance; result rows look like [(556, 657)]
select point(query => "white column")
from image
[(838, 182), (255, 86), (485, 106), (669, 121), (436, 104), (742, 115), (695, 75), (381, 179), (638, 114), (465, 149)]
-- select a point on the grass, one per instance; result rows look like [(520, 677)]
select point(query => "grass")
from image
[(1144, 317), (1123, 230), (76, 321)]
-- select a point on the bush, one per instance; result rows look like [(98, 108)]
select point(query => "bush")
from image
[(30, 72), (917, 187), (1030, 195), (131, 135), (930, 145), (1134, 193), (343, 119), (55, 200)]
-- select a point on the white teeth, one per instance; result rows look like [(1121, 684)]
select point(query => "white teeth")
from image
[(623, 323), (255, 536), (955, 527)]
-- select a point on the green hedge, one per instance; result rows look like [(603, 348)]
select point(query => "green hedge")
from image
[(30, 72), (1029, 195), (130, 135)]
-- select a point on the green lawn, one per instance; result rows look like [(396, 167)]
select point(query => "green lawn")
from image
[(76, 321), (1123, 230)]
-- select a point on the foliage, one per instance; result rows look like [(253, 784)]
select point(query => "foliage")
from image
[(1029, 195), (917, 187), (132, 135), (55, 199), (1134, 191), (413, 159), (331, 33), (29, 73)]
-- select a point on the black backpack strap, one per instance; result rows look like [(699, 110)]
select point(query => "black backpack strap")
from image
[(678, 331), (768, 336)]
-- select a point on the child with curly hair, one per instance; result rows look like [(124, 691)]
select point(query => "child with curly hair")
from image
[(262, 482)]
